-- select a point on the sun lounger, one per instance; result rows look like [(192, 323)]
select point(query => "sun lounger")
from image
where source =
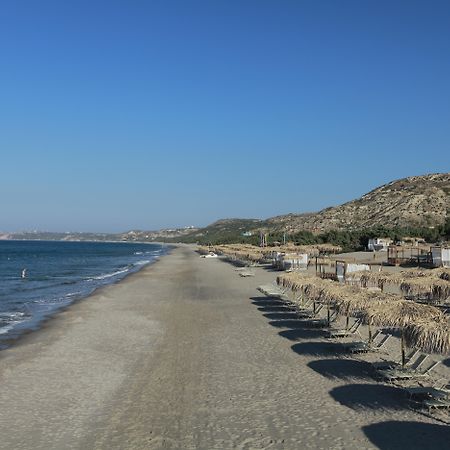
[(321, 322), (309, 313), (418, 392), (337, 333), (407, 373), (273, 291), (246, 273), (435, 403), (384, 365), (366, 347), (429, 397)]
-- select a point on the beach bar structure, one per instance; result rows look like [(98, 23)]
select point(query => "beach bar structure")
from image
[(440, 256), (343, 268), (290, 261), (398, 255)]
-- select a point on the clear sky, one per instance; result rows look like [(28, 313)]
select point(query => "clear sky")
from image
[(118, 115)]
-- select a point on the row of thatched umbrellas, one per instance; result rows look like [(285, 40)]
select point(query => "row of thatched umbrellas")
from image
[(253, 254), (411, 282), (422, 326)]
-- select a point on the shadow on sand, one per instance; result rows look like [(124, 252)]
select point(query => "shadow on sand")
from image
[(317, 348), (302, 333), (446, 362), (265, 299), (344, 369), (287, 315), (275, 308), (369, 396), (395, 435)]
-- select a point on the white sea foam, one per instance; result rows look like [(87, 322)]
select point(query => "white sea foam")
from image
[(143, 262), (13, 318), (6, 328), (109, 275)]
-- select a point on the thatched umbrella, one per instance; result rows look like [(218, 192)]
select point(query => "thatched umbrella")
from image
[(347, 300), (437, 288), (400, 314), (429, 336)]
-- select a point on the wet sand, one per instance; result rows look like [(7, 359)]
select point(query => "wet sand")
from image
[(188, 355)]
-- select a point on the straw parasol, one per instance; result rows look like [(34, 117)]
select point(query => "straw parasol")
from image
[(438, 288), (429, 336), (347, 300), (400, 314)]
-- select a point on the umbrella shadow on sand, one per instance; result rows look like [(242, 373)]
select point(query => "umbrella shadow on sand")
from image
[(370, 396), (446, 362), (395, 435), (317, 348), (266, 301), (275, 308), (287, 323), (301, 333), (343, 369), (286, 315)]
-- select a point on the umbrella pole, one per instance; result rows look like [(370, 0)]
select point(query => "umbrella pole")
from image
[(403, 348), (328, 313), (347, 319), (370, 332)]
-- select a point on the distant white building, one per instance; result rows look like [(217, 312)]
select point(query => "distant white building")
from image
[(377, 244), (440, 256), (247, 233)]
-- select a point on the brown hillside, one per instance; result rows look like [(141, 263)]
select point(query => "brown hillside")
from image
[(422, 201)]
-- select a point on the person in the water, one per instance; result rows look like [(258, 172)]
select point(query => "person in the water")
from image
[(24, 273)]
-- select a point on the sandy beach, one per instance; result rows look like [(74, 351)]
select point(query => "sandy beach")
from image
[(188, 355)]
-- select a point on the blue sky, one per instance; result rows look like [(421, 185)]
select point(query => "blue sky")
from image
[(117, 115)]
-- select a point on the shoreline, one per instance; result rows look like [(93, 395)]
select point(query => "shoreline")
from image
[(12, 339)]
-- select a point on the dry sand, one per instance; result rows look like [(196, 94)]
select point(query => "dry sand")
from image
[(187, 355)]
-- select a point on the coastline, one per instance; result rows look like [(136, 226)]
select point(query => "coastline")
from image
[(186, 354), (15, 337)]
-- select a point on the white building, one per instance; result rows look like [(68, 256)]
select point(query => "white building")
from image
[(440, 256), (377, 244)]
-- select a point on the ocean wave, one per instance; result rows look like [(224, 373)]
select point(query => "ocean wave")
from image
[(5, 329), (8, 320), (143, 262), (110, 275)]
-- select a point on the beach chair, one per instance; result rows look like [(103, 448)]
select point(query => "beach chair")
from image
[(366, 347), (435, 391), (246, 273), (429, 397), (270, 290), (337, 333), (321, 322), (415, 372), (309, 313), (384, 365)]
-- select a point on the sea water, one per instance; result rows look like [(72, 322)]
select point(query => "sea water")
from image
[(58, 273)]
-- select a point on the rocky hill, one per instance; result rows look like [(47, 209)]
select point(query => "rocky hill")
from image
[(420, 201)]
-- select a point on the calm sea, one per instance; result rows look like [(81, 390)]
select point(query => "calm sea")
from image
[(58, 273)]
